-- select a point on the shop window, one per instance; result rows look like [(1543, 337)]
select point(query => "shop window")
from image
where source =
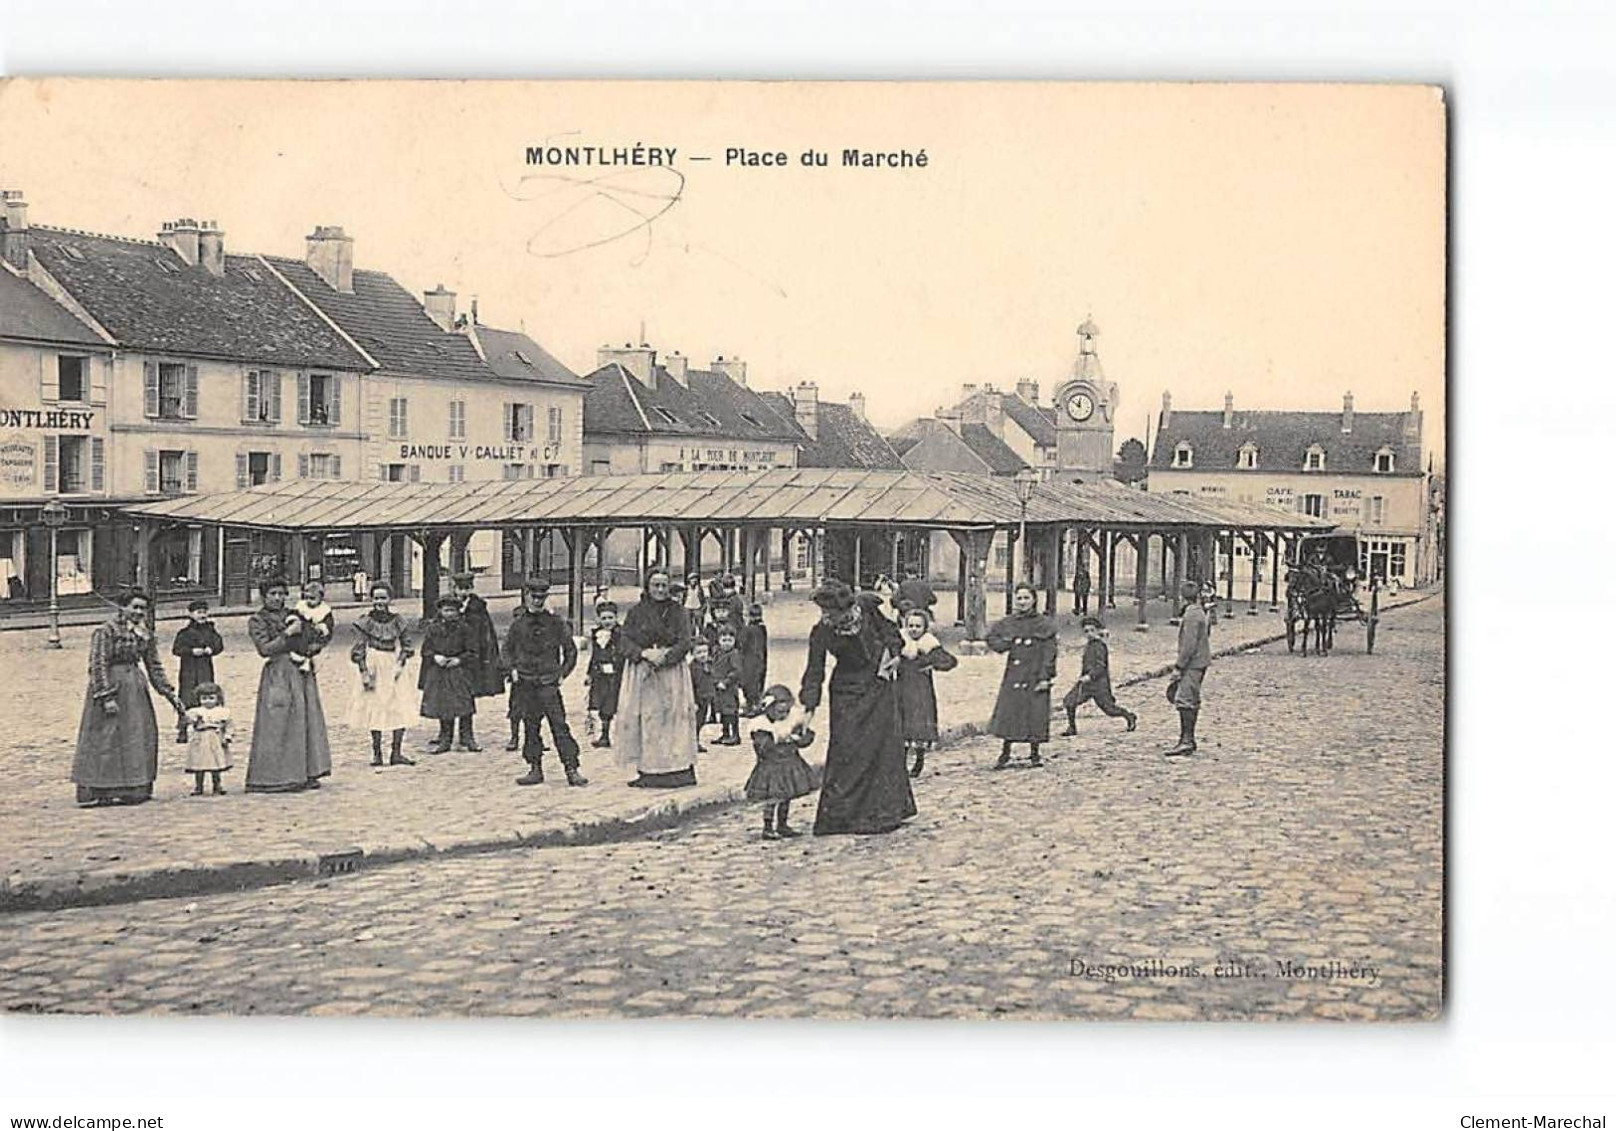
[(457, 421), (171, 390), (519, 423), (319, 399), (13, 569), (1315, 459), (73, 562), (70, 378), (1184, 455), (398, 418), (177, 558)]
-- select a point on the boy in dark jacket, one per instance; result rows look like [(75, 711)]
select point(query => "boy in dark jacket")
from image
[(701, 683), (196, 644), (605, 673), (753, 643), (1095, 681), (540, 654), (727, 687), (450, 655)]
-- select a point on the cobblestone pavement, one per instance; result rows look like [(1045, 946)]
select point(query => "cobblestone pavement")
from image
[(1308, 831), (444, 801)]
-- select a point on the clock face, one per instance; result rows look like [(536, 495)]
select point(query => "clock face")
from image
[(1080, 406)]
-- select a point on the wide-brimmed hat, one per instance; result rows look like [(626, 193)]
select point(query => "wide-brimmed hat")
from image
[(834, 596)]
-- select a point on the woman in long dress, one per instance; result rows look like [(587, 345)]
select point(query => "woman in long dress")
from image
[(290, 748), (656, 705), (115, 761), (866, 787), (383, 700)]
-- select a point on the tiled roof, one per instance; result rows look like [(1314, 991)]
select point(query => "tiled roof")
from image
[(908, 435), (148, 298), (1027, 416), (993, 451), (514, 355), (389, 323), (1283, 438), (844, 440), (713, 405), (29, 314)]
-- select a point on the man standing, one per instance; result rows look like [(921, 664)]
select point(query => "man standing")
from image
[(1194, 657), (489, 677), (540, 653)]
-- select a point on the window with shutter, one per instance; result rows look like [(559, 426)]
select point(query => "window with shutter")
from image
[(192, 467), (153, 484), (98, 379), (251, 395), (336, 467), (98, 464), (191, 391), (52, 465), (272, 392), (302, 397), (336, 400), (275, 467), (415, 473), (153, 406), (48, 387), (241, 471), (302, 465), (555, 425)]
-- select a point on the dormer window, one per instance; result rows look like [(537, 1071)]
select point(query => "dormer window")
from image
[(1385, 461), (667, 416), (1315, 459), (1184, 455), (710, 419), (1248, 456)]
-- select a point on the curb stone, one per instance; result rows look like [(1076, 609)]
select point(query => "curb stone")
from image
[(103, 887)]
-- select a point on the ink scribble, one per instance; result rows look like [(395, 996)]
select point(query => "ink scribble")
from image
[(580, 212)]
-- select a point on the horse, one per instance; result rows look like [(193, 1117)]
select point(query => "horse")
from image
[(1312, 596)]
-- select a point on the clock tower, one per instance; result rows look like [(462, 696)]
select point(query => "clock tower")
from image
[(1085, 411)]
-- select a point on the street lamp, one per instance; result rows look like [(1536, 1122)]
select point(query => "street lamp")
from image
[(1025, 479), (54, 514)]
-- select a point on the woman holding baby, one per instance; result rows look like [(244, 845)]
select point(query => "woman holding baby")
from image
[(290, 750)]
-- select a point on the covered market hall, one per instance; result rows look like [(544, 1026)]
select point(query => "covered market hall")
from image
[(851, 524)]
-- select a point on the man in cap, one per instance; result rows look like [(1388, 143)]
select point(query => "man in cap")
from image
[(540, 654), (1194, 657)]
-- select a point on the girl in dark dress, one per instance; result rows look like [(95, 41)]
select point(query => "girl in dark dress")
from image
[(922, 655), (450, 659), (780, 776), (116, 758), (866, 786), (1021, 713), (196, 644)]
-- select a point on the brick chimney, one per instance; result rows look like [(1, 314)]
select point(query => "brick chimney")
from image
[(855, 401), (182, 237), (732, 367), (677, 366), (330, 256), (950, 418), (967, 390), (14, 229), (1228, 410), (1414, 421), (1346, 413), (1027, 391), (210, 248), (805, 400), (640, 361), (1167, 410), (440, 306)]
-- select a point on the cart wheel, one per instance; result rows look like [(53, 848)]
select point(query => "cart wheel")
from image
[(1290, 633)]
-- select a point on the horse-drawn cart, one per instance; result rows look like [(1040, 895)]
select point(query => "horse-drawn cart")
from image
[(1322, 583)]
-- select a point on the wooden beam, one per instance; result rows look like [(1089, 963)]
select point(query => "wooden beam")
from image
[(576, 539), (1141, 578), (431, 572), (1228, 582), (1054, 567)]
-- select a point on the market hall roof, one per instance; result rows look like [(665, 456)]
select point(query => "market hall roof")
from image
[(29, 314), (777, 497), (707, 405), (150, 299)]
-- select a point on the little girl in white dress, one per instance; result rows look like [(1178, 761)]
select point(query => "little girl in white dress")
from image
[(208, 751)]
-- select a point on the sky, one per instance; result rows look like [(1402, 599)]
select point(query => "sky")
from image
[(1283, 243)]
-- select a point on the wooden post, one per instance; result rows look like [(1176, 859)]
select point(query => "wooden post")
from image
[(600, 556), (1274, 568), (964, 577), (785, 559), (766, 552), (1102, 558), (1164, 577), (576, 539), (1141, 578), (1181, 543), (1228, 582), (529, 538), (221, 565), (431, 571), (1054, 567), (748, 541), (1111, 574), (892, 572), (858, 556), (457, 552), (1010, 568), (975, 547), (1254, 542)]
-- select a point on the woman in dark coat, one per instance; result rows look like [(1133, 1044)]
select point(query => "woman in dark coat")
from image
[(450, 659), (290, 748), (1021, 713), (116, 757), (489, 676), (866, 786)]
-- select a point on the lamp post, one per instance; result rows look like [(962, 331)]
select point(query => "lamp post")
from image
[(55, 515), (1025, 479)]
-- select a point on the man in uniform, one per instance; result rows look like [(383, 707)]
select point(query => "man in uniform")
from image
[(1194, 657), (540, 653)]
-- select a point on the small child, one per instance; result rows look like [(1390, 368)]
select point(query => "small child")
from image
[(726, 668), (605, 674), (780, 774), (701, 683), (209, 749), (753, 642), (1021, 712), (922, 655), (447, 681), (1095, 681), (319, 623), (196, 644)]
